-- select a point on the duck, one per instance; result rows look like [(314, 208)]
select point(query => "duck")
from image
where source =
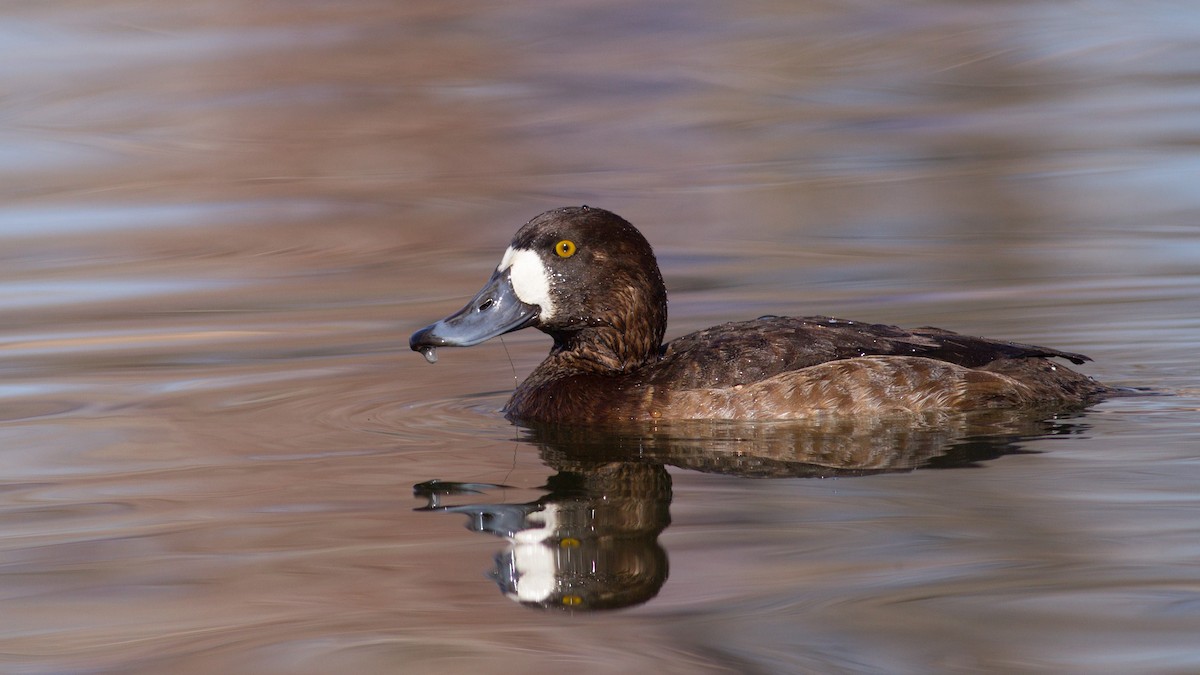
[(589, 279)]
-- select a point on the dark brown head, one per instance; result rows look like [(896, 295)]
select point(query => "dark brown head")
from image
[(583, 275)]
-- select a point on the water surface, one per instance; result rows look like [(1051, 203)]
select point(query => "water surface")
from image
[(221, 223)]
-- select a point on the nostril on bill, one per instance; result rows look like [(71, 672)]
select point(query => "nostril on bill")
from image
[(486, 305)]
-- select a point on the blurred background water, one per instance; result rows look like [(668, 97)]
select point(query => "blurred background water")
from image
[(221, 221)]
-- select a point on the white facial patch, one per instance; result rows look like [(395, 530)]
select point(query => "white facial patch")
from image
[(536, 564), (530, 280), (534, 557)]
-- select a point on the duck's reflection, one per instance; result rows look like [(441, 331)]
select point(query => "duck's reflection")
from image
[(592, 541)]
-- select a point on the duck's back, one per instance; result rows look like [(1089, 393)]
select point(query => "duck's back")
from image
[(744, 352)]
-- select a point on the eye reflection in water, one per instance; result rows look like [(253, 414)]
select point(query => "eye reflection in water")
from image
[(591, 542)]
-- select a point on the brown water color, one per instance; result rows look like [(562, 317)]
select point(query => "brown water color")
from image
[(221, 221)]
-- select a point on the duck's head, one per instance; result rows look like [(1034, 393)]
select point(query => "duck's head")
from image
[(583, 275)]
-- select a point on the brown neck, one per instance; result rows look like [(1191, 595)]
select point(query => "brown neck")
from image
[(619, 342), (606, 349)]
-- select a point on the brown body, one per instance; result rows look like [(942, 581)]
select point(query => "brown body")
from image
[(590, 280), (794, 368)]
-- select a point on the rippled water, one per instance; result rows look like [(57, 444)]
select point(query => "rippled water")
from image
[(222, 221)]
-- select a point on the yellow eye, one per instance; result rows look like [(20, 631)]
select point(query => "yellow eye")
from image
[(565, 248)]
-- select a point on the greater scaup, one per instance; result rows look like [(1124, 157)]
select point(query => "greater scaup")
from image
[(589, 279)]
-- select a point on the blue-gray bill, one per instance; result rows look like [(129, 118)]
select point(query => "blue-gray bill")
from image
[(493, 311)]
